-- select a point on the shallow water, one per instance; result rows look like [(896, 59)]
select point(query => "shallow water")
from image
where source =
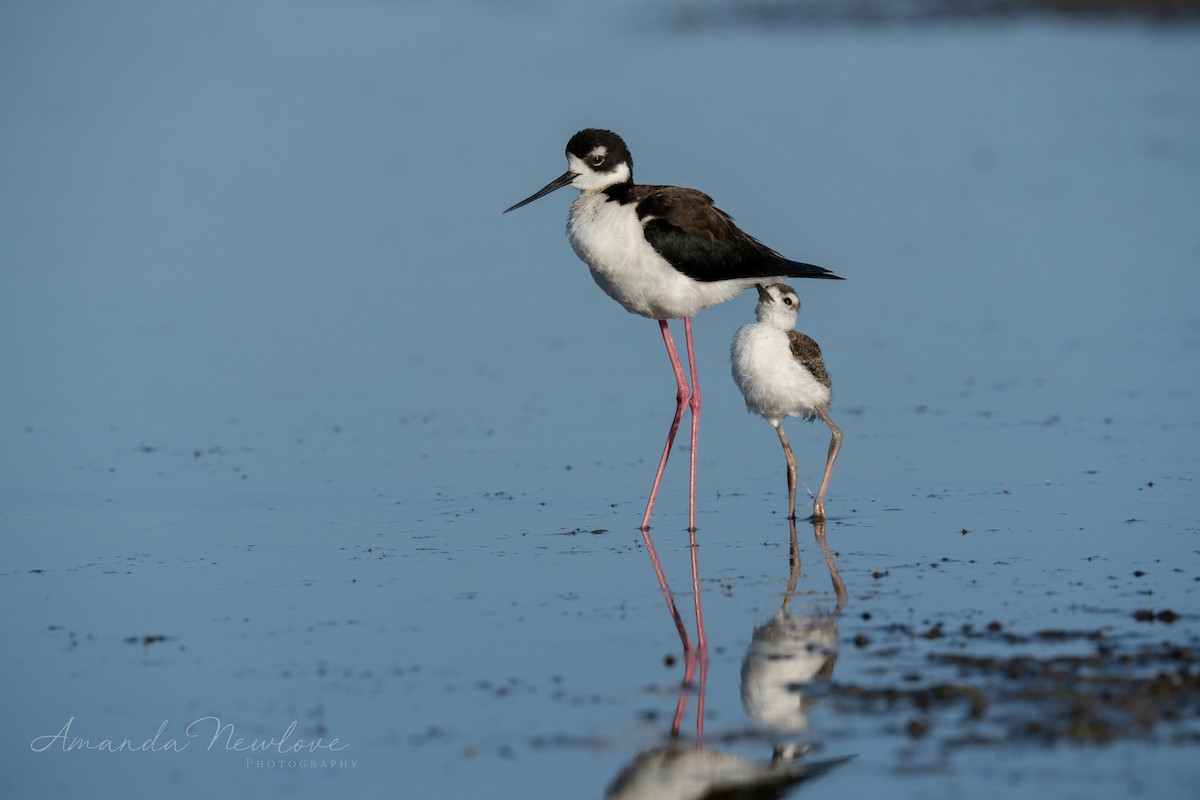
[(300, 429)]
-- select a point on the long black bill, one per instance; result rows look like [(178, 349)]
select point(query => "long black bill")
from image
[(559, 182)]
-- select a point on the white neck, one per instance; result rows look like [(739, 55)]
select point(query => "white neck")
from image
[(777, 315)]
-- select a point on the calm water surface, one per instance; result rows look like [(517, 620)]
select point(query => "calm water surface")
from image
[(321, 478)]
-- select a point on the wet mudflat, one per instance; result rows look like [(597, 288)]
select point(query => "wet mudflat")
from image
[(500, 639), (298, 501)]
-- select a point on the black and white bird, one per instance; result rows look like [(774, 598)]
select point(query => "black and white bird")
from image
[(781, 374), (662, 252)]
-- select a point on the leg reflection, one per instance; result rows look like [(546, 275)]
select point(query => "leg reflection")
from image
[(694, 658)]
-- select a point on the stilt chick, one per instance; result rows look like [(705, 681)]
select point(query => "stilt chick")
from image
[(781, 374)]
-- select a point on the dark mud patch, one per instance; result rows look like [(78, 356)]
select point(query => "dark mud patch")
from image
[(1109, 689)]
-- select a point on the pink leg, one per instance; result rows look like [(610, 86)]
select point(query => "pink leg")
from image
[(685, 397), (701, 639), (682, 396), (694, 404)]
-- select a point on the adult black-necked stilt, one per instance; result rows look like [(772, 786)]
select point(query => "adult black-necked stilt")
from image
[(781, 374), (663, 252)]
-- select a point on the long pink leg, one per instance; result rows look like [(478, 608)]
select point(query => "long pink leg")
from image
[(694, 405), (701, 639), (682, 396), (685, 397)]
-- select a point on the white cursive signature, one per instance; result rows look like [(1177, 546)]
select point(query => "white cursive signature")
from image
[(224, 737)]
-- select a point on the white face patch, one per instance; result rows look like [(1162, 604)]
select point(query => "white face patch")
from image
[(587, 178)]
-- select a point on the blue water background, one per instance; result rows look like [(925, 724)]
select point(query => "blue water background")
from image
[(280, 383)]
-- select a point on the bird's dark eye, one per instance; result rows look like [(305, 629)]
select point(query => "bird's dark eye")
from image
[(787, 301), (597, 159)]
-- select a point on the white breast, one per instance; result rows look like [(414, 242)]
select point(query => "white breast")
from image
[(608, 237), (774, 384)]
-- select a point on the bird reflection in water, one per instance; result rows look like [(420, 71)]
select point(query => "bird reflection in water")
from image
[(790, 652)]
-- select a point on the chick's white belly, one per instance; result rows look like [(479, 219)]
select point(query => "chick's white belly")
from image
[(774, 384)]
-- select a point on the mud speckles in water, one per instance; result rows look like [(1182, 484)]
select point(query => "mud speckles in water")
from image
[(1117, 689), (72, 637), (503, 689), (147, 639), (918, 727)]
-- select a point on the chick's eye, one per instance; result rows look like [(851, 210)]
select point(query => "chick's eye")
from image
[(596, 159), (787, 301)]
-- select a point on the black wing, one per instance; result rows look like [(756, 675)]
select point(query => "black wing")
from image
[(702, 241)]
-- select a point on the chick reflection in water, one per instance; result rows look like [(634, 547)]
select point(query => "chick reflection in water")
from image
[(790, 654), (787, 653)]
